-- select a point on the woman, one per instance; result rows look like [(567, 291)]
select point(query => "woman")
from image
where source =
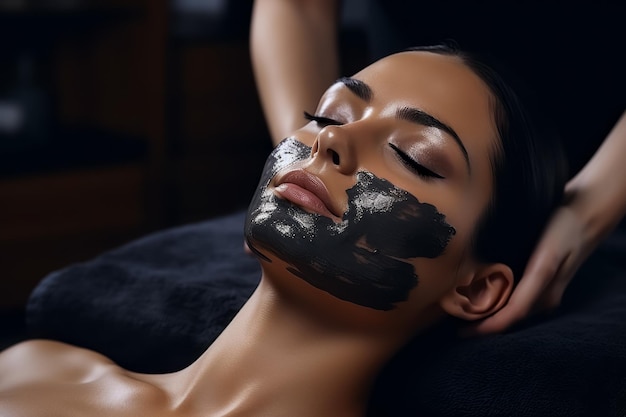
[(378, 219), (295, 52)]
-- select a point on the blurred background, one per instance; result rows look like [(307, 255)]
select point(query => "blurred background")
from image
[(119, 118)]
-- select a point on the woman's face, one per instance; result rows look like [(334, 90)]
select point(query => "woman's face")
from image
[(374, 201)]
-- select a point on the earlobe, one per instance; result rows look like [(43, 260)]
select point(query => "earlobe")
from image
[(485, 292)]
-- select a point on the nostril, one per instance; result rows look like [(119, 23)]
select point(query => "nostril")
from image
[(334, 156), (314, 148)]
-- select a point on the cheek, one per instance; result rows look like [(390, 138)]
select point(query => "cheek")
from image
[(397, 224), (366, 259), (307, 134), (437, 276)]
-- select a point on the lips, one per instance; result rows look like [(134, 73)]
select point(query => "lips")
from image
[(307, 191)]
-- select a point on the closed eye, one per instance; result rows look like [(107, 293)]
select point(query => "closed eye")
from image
[(321, 120), (413, 165)]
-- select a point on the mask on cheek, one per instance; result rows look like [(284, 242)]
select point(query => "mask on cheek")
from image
[(364, 258)]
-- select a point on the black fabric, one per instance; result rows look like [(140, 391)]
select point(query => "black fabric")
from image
[(155, 304)]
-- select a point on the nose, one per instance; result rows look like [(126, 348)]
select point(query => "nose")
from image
[(334, 146)]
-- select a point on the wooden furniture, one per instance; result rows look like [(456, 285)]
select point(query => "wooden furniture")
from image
[(145, 128)]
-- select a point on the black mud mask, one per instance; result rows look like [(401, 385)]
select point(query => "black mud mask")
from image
[(362, 259)]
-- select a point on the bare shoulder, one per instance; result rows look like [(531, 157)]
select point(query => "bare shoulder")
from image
[(68, 380), (35, 348), (46, 358)]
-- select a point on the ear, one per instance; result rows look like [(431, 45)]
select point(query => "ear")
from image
[(481, 294)]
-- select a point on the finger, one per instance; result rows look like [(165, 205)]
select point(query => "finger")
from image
[(551, 299), (512, 313), (542, 269), (553, 295), (543, 266)]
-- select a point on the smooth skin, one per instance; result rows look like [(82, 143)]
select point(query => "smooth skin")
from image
[(282, 31), (294, 349)]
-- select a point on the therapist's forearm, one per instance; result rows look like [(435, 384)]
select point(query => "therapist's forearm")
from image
[(602, 182), (293, 45)]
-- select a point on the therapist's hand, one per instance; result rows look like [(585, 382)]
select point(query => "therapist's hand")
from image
[(594, 203), (561, 250)]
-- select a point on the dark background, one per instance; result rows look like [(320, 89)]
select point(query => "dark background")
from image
[(119, 118)]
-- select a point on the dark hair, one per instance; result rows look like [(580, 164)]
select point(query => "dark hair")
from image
[(528, 166)]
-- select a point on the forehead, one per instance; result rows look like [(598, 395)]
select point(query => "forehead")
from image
[(440, 85)]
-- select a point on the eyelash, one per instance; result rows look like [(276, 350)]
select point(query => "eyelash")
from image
[(321, 120), (420, 170)]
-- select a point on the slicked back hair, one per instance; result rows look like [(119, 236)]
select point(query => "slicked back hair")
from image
[(529, 171)]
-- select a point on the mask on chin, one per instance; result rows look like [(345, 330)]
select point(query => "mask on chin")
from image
[(364, 258)]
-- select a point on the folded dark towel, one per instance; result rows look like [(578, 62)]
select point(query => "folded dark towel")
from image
[(155, 304)]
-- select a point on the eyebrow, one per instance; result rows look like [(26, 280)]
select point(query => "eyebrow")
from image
[(358, 87), (411, 114), (421, 117)]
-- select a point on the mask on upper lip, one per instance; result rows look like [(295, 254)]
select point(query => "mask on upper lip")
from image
[(364, 258)]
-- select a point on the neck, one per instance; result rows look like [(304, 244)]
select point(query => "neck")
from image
[(278, 359)]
